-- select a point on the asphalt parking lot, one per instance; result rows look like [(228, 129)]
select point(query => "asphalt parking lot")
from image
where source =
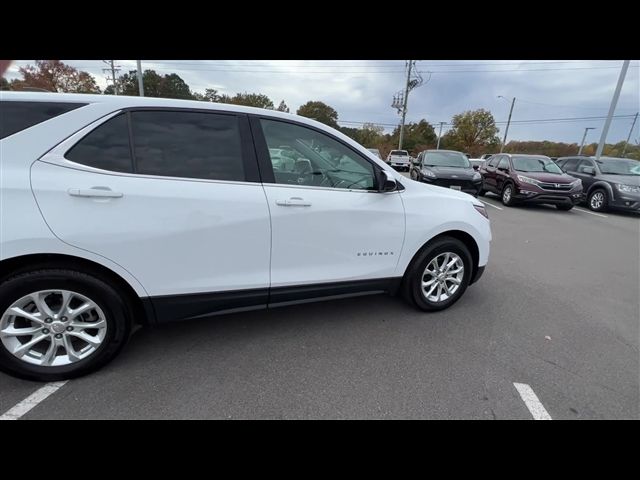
[(557, 309)]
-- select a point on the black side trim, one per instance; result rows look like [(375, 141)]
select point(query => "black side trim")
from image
[(319, 290), (199, 305)]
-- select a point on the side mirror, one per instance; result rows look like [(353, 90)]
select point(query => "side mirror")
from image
[(476, 167), (588, 170), (386, 183)]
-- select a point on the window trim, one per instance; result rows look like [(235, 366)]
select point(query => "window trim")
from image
[(250, 164), (266, 167)]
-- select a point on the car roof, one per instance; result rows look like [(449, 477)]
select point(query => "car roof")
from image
[(441, 150), (524, 155), (125, 101)]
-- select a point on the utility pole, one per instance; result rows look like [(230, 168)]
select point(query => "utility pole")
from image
[(612, 108), (439, 136), (629, 137), (506, 130), (583, 138), (404, 104), (140, 84), (113, 69)]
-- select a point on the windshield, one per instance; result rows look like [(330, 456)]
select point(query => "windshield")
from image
[(619, 166), (400, 153), (535, 164), (446, 159)]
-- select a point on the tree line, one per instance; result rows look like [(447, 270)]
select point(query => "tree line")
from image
[(473, 132)]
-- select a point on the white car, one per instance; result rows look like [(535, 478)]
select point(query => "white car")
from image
[(121, 210)]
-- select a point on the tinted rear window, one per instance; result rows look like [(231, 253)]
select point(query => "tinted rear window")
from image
[(18, 116), (400, 153), (188, 144), (106, 147)]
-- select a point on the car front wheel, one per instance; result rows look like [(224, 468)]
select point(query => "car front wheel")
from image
[(439, 275), (507, 195), (58, 324), (598, 200)]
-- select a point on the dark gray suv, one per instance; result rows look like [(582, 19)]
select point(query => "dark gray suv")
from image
[(608, 182)]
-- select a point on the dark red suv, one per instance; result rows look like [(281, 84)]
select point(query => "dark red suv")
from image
[(529, 178)]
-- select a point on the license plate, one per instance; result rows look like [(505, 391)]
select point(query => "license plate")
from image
[(455, 187)]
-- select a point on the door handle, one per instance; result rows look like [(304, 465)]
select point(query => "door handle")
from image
[(293, 202), (99, 192)]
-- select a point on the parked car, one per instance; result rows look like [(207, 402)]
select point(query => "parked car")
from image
[(376, 152), (529, 179), (446, 168), (608, 182), (399, 159), (122, 210)]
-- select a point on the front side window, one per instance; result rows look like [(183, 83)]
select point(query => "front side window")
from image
[(584, 164), (303, 156), (187, 144), (504, 163), (105, 147), (570, 165), (494, 161)]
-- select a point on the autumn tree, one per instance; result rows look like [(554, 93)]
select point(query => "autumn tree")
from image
[(319, 111), (283, 107), (417, 136), (4, 84), (473, 132), (55, 76)]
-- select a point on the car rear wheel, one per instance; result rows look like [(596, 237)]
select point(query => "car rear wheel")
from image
[(482, 192), (598, 200), (507, 195), (439, 275), (58, 324)]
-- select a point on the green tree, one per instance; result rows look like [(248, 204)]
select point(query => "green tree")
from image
[(319, 111), (473, 132), (155, 85), (252, 100), (283, 107), (55, 76), (4, 84), (417, 137)]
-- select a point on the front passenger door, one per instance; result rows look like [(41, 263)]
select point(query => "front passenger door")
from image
[(329, 222)]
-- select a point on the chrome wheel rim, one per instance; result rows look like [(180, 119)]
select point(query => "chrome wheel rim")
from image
[(442, 277), (597, 199), (506, 195), (52, 328)]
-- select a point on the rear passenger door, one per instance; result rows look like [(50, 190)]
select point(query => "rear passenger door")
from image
[(173, 196), (489, 174)]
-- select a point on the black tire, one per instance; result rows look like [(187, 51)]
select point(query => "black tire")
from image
[(482, 192), (109, 300), (509, 202), (592, 202), (564, 207), (412, 284)]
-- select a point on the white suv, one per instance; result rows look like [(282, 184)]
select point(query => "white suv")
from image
[(119, 211)]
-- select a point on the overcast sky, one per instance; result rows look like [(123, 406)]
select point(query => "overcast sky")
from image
[(362, 91)]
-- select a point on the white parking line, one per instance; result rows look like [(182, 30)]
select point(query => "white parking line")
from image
[(592, 213), (31, 401), (532, 402), (489, 203)]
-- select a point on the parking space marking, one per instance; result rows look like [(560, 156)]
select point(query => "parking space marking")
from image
[(31, 401), (489, 203), (592, 213), (532, 402)]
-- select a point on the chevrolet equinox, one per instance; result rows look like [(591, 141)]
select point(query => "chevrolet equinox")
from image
[(119, 211)]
